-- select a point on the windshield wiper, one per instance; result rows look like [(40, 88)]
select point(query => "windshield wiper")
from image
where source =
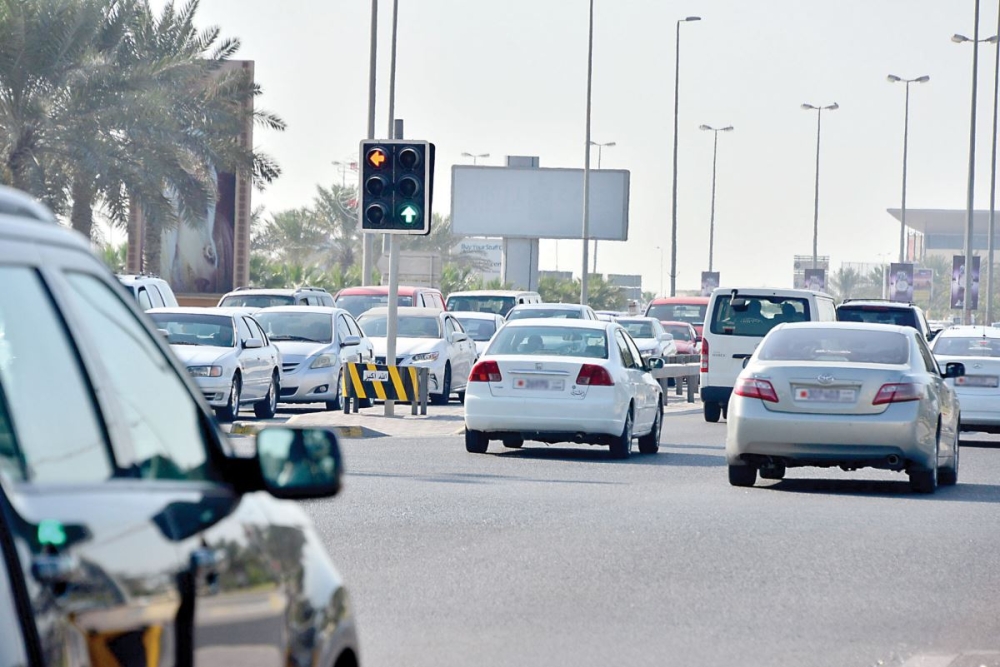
[(298, 338)]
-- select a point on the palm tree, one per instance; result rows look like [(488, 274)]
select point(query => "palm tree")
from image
[(846, 282), (336, 210)]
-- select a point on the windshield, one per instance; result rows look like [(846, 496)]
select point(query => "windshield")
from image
[(498, 305), (257, 300), (407, 326), (638, 329), (357, 304), (678, 332), (479, 330), (836, 346), (308, 327), (530, 313), (756, 315), (196, 329), (692, 313), (955, 346), (551, 341), (903, 317)]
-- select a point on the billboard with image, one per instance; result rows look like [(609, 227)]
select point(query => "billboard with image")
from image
[(958, 283), (901, 282), (709, 281), (814, 279)]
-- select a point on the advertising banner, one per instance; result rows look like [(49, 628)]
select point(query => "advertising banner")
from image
[(709, 281), (923, 280), (901, 282), (958, 283), (814, 279)]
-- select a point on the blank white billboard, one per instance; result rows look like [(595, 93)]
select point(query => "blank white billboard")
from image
[(538, 203)]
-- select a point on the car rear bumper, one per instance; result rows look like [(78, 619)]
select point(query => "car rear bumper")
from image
[(979, 410), (891, 439), (562, 420)]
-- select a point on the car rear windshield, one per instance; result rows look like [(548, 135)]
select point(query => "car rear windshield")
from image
[(497, 305), (955, 346), (638, 329), (903, 317), (692, 313), (257, 300), (836, 346), (478, 329), (756, 315), (528, 313), (407, 326), (356, 304), (306, 327), (679, 333), (551, 342), (192, 329)]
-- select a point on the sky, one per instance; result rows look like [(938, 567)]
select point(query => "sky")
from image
[(509, 78)]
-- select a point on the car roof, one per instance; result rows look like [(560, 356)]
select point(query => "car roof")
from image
[(881, 303), (548, 306), (689, 300), (637, 318), (132, 277), (194, 310), (273, 291), (559, 322), (836, 324), (491, 292), (767, 291), (412, 311), (474, 314), (404, 290), (675, 323), (330, 310), (970, 330)]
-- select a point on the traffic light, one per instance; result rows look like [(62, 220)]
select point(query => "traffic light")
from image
[(397, 186)]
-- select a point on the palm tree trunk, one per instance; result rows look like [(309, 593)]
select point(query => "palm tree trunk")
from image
[(152, 247), (82, 215)]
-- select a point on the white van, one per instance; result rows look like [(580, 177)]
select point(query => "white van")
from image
[(735, 323), (498, 302)]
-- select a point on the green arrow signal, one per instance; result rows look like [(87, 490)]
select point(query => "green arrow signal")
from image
[(409, 214)]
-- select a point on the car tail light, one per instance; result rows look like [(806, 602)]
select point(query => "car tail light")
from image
[(754, 388), (704, 355), (897, 392), (592, 375), (486, 371)]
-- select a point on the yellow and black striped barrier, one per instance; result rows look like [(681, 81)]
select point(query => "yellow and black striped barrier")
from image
[(380, 382)]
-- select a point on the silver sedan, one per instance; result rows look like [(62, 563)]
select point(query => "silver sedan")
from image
[(844, 394)]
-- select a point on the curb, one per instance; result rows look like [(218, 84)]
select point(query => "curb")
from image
[(253, 428)]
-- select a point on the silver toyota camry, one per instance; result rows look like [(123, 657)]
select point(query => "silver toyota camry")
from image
[(844, 394)]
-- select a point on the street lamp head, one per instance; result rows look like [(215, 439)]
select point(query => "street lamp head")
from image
[(704, 127), (727, 128), (692, 18), (892, 78), (809, 107), (992, 40), (958, 39), (467, 155), (832, 107), (611, 143), (922, 79)]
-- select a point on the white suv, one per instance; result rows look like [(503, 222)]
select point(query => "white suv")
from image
[(253, 297), (149, 291)]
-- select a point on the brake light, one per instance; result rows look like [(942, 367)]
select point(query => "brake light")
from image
[(704, 355), (592, 375), (486, 371), (754, 388), (897, 392)]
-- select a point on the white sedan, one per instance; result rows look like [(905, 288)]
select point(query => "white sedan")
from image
[(648, 333), (559, 380), (315, 343), (481, 327), (429, 338), (978, 348), (227, 354)]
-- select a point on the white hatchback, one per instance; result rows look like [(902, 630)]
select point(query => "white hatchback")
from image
[(559, 380)]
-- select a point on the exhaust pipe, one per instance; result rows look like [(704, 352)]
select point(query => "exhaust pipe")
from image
[(892, 460)]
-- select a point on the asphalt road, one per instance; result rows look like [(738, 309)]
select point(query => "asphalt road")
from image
[(558, 556)]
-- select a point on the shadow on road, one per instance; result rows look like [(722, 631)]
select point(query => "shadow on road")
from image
[(476, 478), (979, 441), (870, 488)]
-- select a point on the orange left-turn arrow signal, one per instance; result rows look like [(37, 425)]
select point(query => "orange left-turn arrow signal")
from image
[(376, 157)]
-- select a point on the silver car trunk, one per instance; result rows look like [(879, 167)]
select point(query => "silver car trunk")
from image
[(829, 388)]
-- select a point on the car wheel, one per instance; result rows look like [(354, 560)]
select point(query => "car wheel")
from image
[(949, 476), (266, 408), (926, 481), (461, 396), (650, 443), (445, 395), (775, 471), (232, 409), (513, 443), (621, 448), (476, 442), (337, 403), (712, 412), (742, 475)]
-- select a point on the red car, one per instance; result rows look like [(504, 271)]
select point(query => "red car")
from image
[(690, 309), (684, 336)]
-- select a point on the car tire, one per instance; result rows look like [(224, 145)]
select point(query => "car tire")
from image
[(949, 476), (231, 410), (650, 443), (513, 443), (476, 442), (776, 471), (268, 406), (338, 402), (712, 412), (445, 395), (742, 475), (926, 481), (621, 448), (461, 396)]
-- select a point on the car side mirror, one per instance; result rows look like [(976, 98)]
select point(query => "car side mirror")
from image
[(350, 341), (697, 339), (459, 336), (654, 363), (665, 337), (297, 463), (253, 343), (954, 369)]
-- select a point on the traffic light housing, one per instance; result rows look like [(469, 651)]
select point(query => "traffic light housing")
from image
[(397, 186)]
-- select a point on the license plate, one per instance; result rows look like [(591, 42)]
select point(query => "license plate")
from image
[(978, 381), (539, 384), (815, 395)]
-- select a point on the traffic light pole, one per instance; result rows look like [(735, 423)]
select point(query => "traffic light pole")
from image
[(392, 320)]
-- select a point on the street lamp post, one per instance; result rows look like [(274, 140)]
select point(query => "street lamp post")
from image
[(970, 195), (906, 134), (368, 240), (600, 149), (673, 217), (475, 156), (660, 248), (993, 182), (819, 124), (715, 154), (586, 159)]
